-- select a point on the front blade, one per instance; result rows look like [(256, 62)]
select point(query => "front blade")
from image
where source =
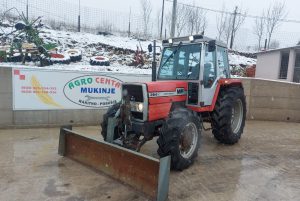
[(133, 168)]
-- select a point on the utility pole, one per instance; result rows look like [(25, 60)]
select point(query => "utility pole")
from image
[(162, 19), (233, 27), (79, 16), (129, 22), (173, 18), (27, 10)]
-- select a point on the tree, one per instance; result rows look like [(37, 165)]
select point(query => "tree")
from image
[(168, 20), (259, 29), (239, 20), (228, 28), (146, 12), (221, 23), (158, 23), (275, 14), (182, 18), (197, 20)]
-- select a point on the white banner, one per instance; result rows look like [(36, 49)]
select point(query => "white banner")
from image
[(37, 89)]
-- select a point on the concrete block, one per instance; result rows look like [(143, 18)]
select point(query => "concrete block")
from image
[(275, 103), (5, 80), (6, 102), (6, 117), (284, 91), (269, 114), (31, 117)]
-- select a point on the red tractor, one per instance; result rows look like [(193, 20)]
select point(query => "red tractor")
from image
[(192, 86)]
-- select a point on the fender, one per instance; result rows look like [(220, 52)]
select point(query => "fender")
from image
[(223, 82)]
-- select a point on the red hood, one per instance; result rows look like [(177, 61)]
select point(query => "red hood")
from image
[(161, 86)]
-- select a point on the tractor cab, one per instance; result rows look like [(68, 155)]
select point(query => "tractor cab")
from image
[(198, 60)]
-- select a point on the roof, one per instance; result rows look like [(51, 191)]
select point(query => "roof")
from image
[(280, 49), (197, 39)]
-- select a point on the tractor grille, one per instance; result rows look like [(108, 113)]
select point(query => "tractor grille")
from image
[(137, 115), (135, 93), (193, 95)]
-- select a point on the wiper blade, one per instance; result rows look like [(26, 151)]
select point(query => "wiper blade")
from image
[(174, 52)]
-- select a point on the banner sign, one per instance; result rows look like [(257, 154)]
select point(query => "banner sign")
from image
[(35, 89)]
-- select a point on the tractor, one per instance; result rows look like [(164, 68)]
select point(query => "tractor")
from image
[(192, 86)]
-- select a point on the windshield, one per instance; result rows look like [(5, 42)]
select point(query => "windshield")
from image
[(181, 64)]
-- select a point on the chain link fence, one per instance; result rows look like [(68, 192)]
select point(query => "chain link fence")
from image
[(62, 15)]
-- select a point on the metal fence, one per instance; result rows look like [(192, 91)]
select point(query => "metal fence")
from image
[(63, 15)]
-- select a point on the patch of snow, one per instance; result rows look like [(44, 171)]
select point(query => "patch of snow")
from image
[(235, 59)]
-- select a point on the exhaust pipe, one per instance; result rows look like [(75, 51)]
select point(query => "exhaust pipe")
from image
[(154, 62)]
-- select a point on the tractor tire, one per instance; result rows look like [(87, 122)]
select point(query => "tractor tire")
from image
[(75, 55), (110, 113), (16, 57), (181, 130), (228, 117), (99, 61), (57, 58)]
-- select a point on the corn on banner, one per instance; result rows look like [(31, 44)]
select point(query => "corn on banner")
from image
[(42, 89)]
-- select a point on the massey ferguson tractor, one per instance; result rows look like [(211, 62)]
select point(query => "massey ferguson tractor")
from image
[(192, 86)]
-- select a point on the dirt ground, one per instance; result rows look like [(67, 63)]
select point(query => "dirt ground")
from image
[(264, 165)]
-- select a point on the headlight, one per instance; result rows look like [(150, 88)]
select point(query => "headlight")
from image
[(137, 106), (140, 107)]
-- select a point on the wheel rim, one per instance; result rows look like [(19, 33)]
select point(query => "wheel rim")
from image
[(237, 116), (188, 140)]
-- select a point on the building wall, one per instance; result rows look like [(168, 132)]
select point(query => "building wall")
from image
[(290, 75), (268, 65)]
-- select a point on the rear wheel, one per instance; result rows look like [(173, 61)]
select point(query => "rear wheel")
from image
[(110, 113), (228, 118), (180, 138)]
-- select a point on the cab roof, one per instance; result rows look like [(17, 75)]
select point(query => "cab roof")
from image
[(187, 40)]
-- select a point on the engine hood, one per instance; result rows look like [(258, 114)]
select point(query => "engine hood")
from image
[(167, 86)]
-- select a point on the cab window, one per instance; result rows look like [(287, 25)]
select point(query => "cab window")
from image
[(210, 71), (222, 62)]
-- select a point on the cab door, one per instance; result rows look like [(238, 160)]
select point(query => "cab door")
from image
[(209, 76)]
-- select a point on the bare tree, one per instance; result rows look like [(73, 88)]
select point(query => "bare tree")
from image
[(146, 12), (275, 13), (197, 20), (182, 18), (239, 20), (201, 21), (158, 21), (259, 29), (221, 23), (168, 20), (228, 28)]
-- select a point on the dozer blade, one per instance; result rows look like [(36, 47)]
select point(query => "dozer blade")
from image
[(144, 173)]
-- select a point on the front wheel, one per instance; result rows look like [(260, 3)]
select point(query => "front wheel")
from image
[(180, 138), (228, 118)]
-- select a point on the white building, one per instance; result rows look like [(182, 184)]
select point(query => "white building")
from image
[(279, 64)]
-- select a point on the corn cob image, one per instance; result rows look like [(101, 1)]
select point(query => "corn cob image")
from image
[(44, 97)]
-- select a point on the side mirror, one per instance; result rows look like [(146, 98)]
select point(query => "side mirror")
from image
[(150, 47), (211, 46)]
